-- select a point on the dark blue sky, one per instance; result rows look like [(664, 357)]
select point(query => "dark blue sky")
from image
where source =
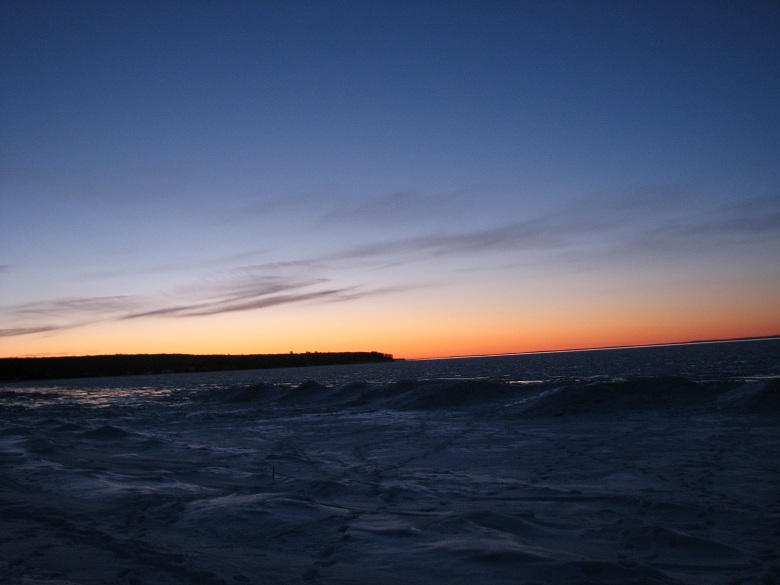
[(452, 166)]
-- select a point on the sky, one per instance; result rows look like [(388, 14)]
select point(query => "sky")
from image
[(417, 178)]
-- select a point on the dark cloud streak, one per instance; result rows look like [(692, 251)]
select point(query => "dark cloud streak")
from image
[(250, 292), (17, 331), (230, 305), (621, 222), (83, 305), (605, 228)]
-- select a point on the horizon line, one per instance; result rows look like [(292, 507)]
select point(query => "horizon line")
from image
[(451, 357), (599, 348)]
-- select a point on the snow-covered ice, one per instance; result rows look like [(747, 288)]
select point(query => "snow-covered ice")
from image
[(191, 479)]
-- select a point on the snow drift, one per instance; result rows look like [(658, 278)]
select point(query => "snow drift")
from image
[(646, 480)]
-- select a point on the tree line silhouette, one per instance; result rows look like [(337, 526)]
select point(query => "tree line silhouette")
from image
[(47, 368)]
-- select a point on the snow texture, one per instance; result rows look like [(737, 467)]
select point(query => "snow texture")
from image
[(184, 479)]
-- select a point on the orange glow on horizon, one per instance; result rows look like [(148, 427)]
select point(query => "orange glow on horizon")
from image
[(427, 327), (422, 345)]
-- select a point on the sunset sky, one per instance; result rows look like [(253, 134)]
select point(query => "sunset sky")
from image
[(417, 178)]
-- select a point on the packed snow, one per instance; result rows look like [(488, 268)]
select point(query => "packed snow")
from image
[(523, 478)]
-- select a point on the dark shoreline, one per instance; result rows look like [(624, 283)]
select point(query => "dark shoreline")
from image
[(49, 368)]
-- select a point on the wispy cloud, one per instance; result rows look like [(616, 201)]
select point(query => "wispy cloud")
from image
[(752, 222), (597, 229), (647, 220), (756, 218), (80, 306), (16, 331), (244, 289), (62, 314), (240, 289), (514, 236), (623, 220), (230, 306)]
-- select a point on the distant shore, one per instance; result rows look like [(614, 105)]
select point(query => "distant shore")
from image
[(48, 368)]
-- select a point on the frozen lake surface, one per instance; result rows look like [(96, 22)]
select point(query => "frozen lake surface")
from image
[(654, 465)]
